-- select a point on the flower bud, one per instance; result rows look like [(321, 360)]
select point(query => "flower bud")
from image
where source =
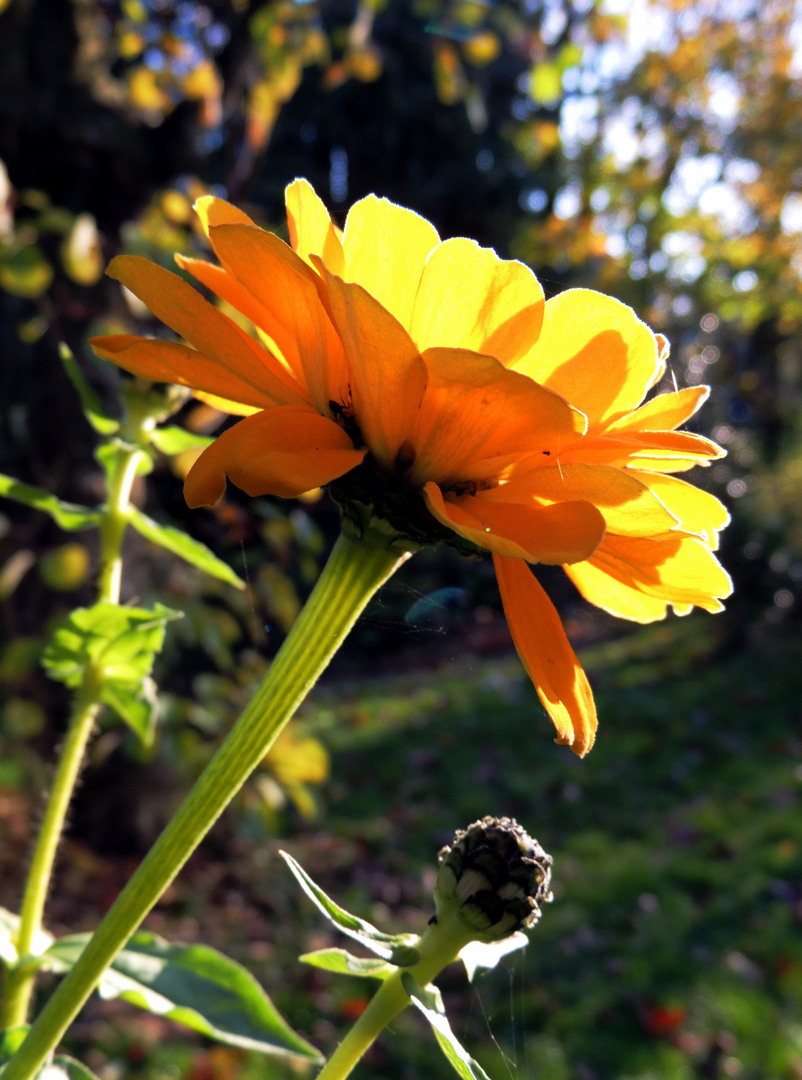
[(493, 878)]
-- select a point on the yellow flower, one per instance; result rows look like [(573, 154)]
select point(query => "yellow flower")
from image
[(431, 382)]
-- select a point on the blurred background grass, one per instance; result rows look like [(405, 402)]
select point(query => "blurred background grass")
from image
[(650, 149)]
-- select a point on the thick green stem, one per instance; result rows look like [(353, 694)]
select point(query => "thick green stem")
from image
[(19, 982), (439, 946), (354, 572)]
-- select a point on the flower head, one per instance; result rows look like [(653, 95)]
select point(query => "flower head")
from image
[(493, 878), (433, 386)]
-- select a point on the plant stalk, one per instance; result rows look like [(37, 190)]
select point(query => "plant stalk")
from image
[(19, 982), (353, 573)]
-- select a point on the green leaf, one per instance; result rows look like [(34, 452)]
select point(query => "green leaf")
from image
[(24, 271), (478, 955), (11, 1040), (174, 440), (9, 927), (68, 1067), (430, 1003), (119, 642), (398, 949), (176, 541), (107, 454), (343, 963), (194, 985), (138, 708), (68, 516), (90, 402)]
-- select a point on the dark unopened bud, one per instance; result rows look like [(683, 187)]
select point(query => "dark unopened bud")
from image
[(494, 878)]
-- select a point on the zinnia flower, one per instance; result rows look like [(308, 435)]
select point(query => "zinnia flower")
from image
[(432, 387)]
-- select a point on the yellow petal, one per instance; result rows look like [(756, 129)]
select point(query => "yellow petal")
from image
[(564, 532), (696, 510), (185, 311), (213, 211), (388, 376), (664, 412), (234, 408), (662, 451), (311, 228), (167, 361), (626, 501), (283, 286), (475, 409), (282, 451), (547, 656), (679, 570), (623, 601), (469, 298), (385, 248), (594, 351)]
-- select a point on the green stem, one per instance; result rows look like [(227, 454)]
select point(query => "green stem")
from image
[(354, 572), (19, 982), (439, 946)]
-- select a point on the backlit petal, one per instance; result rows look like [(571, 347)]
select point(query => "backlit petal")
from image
[(213, 211), (625, 500), (311, 228), (284, 451), (469, 298), (282, 285), (679, 570), (662, 451), (564, 532), (474, 409), (385, 248), (167, 361), (388, 376), (664, 412), (696, 510), (184, 310), (546, 654), (594, 351), (615, 597), (233, 408)]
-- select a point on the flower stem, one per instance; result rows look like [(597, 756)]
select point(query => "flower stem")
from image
[(355, 570), (19, 981), (439, 946)]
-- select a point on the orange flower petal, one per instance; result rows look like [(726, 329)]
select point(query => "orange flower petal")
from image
[(311, 228), (185, 311), (623, 601), (547, 656), (388, 376), (661, 451), (594, 351), (626, 501), (282, 285), (213, 211), (385, 248), (564, 532), (696, 510), (167, 361), (469, 298), (679, 570), (474, 409), (664, 412), (283, 451)]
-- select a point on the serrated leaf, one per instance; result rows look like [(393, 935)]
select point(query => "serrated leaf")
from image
[(343, 963), (398, 949), (175, 440), (430, 1003), (68, 516), (179, 543), (478, 955), (119, 642), (194, 985), (65, 1067), (90, 402), (138, 708)]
